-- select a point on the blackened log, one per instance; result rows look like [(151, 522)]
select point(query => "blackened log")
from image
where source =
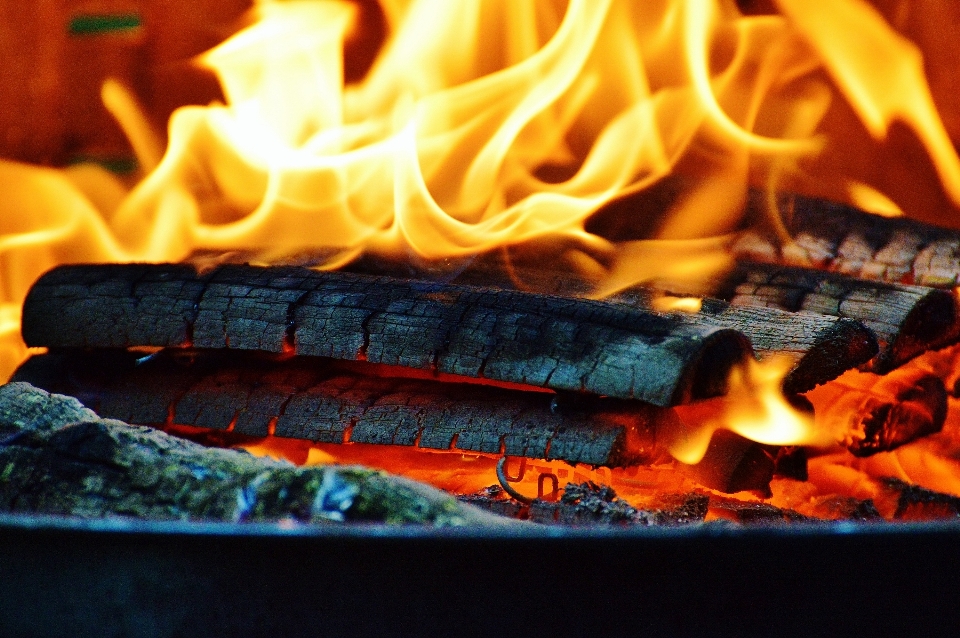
[(822, 346), (61, 458), (311, 398), (843, 239), (907, 320), (558, 343), (873, 413)]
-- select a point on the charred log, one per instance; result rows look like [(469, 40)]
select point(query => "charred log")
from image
[(849, 241), (60, 458), (907, 320), (315, 399), (880, 413), (558, 343), (734, 464), (823, 345)]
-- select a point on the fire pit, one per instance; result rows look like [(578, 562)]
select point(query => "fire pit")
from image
[(672, 283)]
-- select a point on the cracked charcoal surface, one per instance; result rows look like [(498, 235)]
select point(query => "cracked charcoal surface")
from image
[(842, 239), (314, 399), (554, 342), (906, 320)]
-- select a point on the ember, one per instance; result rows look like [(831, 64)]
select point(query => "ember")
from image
[(593, 260)]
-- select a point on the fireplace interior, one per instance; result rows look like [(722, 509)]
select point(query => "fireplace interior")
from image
[(370, 317)]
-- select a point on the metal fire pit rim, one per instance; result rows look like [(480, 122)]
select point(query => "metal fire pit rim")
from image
[(146, 579), (41, 523)]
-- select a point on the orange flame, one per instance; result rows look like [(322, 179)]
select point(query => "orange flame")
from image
[(484, 125), (754, 407)]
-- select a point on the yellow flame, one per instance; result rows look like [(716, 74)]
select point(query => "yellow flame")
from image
[(754, 407), (879, 71), (480, 125), (669, 303)]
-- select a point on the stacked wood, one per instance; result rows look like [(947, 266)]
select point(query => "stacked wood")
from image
[(822, 344), (842, 239), (907, 320), (313, 399), (540, 340), (61, 458)]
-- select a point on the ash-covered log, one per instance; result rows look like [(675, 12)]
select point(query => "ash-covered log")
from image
[(907, 320), (541, 340), (317, 399), (61, 458)]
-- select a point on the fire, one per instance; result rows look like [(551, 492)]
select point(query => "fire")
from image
[(754, 407), (485, 125)]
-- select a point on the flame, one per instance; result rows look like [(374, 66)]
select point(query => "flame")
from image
[(487, 125), (669, 303), (754, 407)]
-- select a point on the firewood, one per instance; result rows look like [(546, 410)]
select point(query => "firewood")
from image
[(315, 399), (734, 464), (822, 348), (843, 239), (61, 458), (907, 320), (823, 345), (873, 413), (541, 340)]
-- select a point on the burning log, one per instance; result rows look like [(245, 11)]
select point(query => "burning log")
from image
[(873, 413), (839, 238), (907, 320), (61, 458), (822, 345), (558, 343), (314, 399)]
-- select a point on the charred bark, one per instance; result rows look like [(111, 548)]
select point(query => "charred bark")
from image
[(822, 344), (554, 342), (843, 239), (907, 320), (315, 399), (60, 458)]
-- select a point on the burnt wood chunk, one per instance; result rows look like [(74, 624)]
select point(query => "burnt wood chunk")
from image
[(541, 340), (843, 239), (822, 346), (310, 398), (873, 413), (61, 458), (733, 464), (907, 320), (146, 305)]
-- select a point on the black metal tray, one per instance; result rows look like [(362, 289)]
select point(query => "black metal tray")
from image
[(71, 577)]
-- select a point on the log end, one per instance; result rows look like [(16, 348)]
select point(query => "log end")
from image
[(932, 323), (847, 345)]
